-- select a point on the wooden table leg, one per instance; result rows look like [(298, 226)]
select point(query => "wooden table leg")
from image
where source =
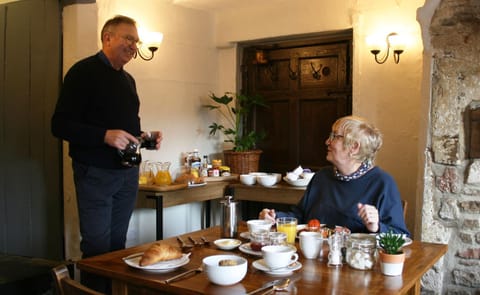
[(159, 208), (119, 288), (208, 207)]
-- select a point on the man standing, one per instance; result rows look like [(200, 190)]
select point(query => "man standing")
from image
[(97, 113)]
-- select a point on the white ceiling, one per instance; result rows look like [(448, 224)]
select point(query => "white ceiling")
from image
[(213, 5)]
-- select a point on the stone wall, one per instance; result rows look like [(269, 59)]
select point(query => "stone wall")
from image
[(451, 208)]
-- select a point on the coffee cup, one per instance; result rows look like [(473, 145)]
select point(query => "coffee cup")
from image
[(279, 256), (149, 140), (258, 224), (310, 244)]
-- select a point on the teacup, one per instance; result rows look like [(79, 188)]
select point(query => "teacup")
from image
[(258, 224), (278, 256), (310, 244)]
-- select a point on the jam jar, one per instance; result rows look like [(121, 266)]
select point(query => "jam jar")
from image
[(361, 251)]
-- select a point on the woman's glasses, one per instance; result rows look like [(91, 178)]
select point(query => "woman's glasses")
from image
[(334, 136)]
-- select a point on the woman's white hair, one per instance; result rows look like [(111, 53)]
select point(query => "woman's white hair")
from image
[(358, 130)]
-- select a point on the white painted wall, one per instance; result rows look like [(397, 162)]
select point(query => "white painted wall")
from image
[(199, 55)]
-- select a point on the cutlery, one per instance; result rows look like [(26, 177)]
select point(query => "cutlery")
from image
[(133, 256), (266, 286), (205, 241), (185, 247), (195, 242), (283, 267), (280, 286), (183, 274)]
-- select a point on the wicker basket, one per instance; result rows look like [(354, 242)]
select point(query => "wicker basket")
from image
[(242, 162)]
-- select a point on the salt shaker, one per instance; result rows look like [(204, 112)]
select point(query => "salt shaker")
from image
[(335, 242)]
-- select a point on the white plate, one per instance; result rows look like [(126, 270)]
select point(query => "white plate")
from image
[(245, 235), (260, 265), (227, 244), (196, 184), (298, 182), (245, 248), (163, 266)]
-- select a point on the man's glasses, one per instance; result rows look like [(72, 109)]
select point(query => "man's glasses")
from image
[(334, 136), (132, 40)]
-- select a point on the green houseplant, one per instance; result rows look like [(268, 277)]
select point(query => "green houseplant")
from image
[(235, 109), (391, 255)]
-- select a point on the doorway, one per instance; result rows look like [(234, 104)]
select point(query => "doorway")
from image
[(307, 84)]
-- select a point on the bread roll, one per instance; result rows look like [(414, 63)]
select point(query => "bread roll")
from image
[(159, 252)]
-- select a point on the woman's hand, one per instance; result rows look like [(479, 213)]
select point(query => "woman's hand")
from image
[(369, 216), (268, 214)]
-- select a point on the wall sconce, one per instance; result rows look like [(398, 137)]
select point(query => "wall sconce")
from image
[(152, 42), (394, 42)]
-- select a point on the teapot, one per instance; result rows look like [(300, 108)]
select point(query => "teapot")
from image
[(162, 173)]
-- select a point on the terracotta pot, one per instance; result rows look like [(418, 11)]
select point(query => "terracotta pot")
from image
[(242, 162), (391, 264)]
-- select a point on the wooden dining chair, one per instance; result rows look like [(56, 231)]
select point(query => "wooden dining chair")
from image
[(404, 206), (65, 285)]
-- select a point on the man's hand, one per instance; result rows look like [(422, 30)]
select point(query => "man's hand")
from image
[(118, 138)]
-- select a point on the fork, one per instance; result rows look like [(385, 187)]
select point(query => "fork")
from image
[(195, 242)]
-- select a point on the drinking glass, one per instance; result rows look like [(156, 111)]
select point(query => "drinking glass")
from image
[(288, 225)]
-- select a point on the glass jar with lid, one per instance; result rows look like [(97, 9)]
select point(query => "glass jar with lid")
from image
[(361, 251)]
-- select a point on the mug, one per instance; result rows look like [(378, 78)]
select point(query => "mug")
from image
[(278, 256), (310, 244)]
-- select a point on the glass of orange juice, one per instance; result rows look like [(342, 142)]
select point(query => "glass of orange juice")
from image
[(288, 225)]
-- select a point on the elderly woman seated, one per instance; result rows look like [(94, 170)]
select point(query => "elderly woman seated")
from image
[(353, 193)]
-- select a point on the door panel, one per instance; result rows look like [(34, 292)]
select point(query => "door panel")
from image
[(307, 87)]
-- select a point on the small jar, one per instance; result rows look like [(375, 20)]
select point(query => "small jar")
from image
[(361, 251), (258, 239), (278, 238)]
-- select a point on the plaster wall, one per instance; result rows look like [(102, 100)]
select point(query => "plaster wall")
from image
[(199, 54)]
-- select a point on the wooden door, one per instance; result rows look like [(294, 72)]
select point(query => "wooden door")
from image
[(30, 189), (307, 85)]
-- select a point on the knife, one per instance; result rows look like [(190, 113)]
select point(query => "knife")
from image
[(181, 275), (263, 287)]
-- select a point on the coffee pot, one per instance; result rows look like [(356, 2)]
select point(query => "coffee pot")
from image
[(229, 218), (131, 156)]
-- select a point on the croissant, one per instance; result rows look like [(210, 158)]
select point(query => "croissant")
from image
[(159, 252)]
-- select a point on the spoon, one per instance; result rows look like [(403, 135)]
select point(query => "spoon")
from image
[(185, 247), (279, 286)]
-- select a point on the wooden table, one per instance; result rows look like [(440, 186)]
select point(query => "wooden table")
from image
[(313, 278), (152, 196), (281, 193)]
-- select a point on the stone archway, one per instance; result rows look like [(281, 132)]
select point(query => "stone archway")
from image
[(451, 194)]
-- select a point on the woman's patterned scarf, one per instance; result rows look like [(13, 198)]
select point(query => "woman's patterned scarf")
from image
[(366, 165)]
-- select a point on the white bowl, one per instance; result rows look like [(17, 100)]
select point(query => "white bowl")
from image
[(257, 173), (224, 275), (298, 182), (267, 180), (248, 179), (227, 244), (307, 175), (258, 224), (278, 176)]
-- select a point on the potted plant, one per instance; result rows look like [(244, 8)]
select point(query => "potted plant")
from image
[(235, 108), (391, 255)]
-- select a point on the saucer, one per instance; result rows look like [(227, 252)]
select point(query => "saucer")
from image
[(245, 235), (245, 248), (260, 265)]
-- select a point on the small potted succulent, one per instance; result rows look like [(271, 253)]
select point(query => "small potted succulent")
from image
[(235, 109), (391, 255)]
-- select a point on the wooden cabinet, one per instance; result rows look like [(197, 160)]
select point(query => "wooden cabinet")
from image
[(307, 85)]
